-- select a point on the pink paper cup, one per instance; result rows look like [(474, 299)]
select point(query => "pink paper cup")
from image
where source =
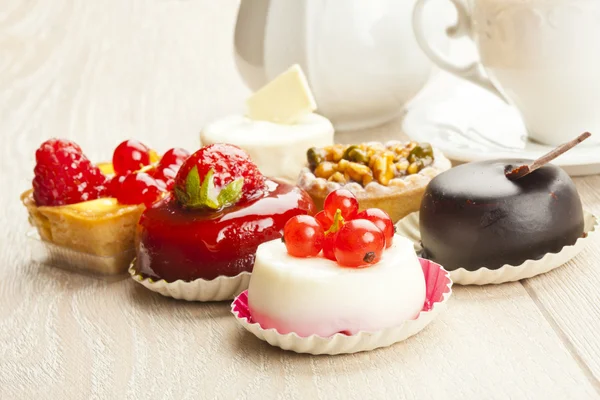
[(438, 291)]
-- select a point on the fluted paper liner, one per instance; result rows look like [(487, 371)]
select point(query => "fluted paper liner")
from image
[(409, 227), (218, 289), (438, 291)]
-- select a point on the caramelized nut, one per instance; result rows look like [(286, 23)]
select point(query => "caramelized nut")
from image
[(413, 168), (342, 165), (402, 166), (383, 170), (337, 152), (337, 177), (357, 172), (325, 170)]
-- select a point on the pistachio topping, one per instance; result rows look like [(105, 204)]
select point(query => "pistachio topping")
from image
[(367, 162)]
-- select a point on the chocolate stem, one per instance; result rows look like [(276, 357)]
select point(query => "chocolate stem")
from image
[(514, 173)]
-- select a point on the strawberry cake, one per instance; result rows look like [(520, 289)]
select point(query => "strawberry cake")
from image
[(220, 209), (342, 271)]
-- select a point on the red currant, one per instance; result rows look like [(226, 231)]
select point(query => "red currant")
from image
[(114, 185), (329, 246), (343, 200), (359, 243), (174, 156), (323, 220), (140, 188), (382, 220), (169, 165), (303, 236), (130, 155)]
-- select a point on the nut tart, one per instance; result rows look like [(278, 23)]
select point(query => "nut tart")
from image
[(391, 176)]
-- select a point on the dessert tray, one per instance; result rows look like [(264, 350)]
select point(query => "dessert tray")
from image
[(218, 289), (468, 124), (439, 290), (409, 227)]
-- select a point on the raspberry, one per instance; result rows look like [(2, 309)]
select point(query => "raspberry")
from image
[(63, 175), (225, 165)]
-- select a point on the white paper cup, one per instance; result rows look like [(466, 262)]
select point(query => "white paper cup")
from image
[(409, 227), (218, 289)]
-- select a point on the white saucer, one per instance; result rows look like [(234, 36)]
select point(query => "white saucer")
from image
[(469, 124)]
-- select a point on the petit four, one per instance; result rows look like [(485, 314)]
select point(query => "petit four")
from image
[(220, 209), (89, 212), (278, 127), (390, 176), (474, 216), (370, 280)]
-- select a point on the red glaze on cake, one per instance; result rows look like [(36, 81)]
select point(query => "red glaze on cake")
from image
[(212, 228)]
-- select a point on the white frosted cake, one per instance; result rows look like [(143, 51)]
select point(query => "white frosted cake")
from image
[(279, 126), (318, 296), (279, 150)]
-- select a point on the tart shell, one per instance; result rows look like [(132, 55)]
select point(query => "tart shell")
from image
[(409, 227), (74, 236), (438, 291)]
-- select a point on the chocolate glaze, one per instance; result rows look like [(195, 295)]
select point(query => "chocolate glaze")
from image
[(472, 216)]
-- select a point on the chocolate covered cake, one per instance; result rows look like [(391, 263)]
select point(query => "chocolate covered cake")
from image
[(473, 216)]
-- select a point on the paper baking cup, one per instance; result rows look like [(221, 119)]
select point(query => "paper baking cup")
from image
[(218, 289), (439, 289), (409, 227)]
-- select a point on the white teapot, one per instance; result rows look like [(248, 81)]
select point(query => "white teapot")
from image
[(361, 58)]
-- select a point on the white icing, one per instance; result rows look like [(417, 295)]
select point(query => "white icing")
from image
[(318, 296), (278, 150)]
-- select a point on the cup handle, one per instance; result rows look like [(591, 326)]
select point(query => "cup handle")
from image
[(474, 71)]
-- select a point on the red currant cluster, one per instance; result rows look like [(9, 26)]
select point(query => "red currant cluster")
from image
[(353, 239), (138, 177)]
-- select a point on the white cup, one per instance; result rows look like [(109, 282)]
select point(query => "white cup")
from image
[(542, 56)]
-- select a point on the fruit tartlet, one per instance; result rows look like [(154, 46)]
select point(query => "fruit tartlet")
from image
[(390, 176), (342, 272), (208, 229), (278, 127), (87, 214)]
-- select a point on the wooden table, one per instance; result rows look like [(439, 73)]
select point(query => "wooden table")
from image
[(102, 71)]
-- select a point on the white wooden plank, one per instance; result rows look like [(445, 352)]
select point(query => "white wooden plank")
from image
[(570, 295)]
